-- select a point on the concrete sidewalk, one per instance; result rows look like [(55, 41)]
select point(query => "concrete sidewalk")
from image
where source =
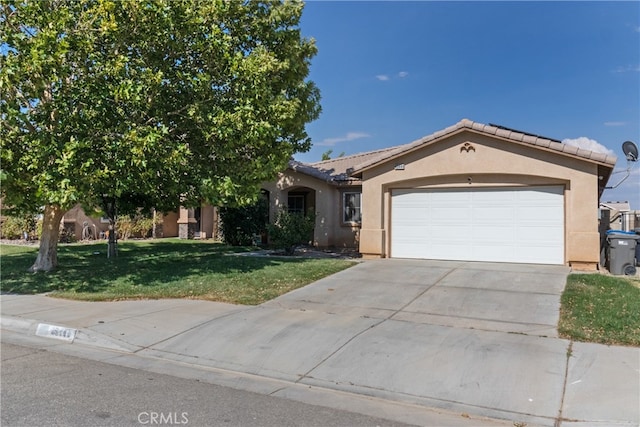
[(421, 342)]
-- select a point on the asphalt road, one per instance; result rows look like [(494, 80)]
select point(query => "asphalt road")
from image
[(41, 388)]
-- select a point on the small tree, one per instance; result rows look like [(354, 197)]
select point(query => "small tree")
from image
[(290, 230)]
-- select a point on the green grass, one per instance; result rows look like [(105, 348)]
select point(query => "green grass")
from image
[(601, 309), (166, 268)]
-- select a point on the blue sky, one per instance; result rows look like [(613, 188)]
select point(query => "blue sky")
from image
[(392, 72)]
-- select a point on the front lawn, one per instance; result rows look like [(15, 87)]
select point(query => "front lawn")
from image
[(601, 309), (165, 268)]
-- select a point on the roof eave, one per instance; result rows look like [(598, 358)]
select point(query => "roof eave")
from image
[(604, 161), (313, 172)]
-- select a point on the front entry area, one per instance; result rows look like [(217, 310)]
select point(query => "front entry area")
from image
[(506, 224)]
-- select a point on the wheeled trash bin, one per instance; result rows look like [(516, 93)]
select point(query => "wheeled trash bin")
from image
[(622, 252)]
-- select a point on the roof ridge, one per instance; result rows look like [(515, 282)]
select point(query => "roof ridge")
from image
[(350, 156), (498, 131)]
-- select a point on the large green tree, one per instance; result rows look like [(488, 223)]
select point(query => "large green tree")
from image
[(150, 103)]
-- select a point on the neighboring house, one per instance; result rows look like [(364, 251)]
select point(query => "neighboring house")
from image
[(471, 192), (621, 217), (77, 223), (199, 223)]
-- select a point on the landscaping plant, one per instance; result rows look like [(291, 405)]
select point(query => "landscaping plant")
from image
[(290, 230), (240, 224)]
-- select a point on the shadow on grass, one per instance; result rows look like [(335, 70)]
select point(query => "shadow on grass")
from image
[(85, 269)]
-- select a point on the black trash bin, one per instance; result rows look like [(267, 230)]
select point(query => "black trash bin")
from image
[(638, 248), (622, 252)]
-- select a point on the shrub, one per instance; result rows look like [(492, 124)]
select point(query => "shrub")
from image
[(143, 225), (290, 230), (239, 225), (67, 235), (138, 225), (124, 227), (14, 227)]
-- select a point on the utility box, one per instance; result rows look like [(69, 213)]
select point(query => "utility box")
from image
[(622, 252)]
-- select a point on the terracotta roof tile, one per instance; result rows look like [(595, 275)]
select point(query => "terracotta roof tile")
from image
[(499, 131), (340, 169)]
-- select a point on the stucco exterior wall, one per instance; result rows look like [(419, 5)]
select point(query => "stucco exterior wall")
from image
[(75, 218), (208, 222), (324, 198), (170, 224), (470, 160)]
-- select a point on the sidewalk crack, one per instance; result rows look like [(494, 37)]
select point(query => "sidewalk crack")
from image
[(559, 418)]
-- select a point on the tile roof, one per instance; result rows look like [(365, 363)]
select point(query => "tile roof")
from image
[(345, 170), (616, 206), (498, 131), (338, 170)]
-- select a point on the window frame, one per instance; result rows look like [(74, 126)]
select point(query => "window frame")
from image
[(343, 208), (298, 196)]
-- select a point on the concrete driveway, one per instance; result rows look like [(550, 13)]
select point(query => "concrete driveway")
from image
[(469, 338), (515, 298), (466, 337)]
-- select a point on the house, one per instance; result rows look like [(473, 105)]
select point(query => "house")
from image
[(187, 223), (621, 217), (471, 192)]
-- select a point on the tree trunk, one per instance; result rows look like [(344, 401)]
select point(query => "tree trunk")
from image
[(112, 245), (47, 259)]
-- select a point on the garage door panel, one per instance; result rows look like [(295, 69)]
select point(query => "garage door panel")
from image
[(499, 225), (547, 214), (502, 235), (551, 235)]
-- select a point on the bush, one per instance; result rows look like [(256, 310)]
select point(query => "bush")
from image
[(67, 235), (143, 226), (124, 227), (138, 225), (241, 224), (290, 230), (14, 227)]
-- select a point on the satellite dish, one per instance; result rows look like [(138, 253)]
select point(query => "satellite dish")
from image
[(630, 150)]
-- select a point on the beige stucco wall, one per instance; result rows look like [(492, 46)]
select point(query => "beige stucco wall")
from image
[(326, 201), (75, 218), (170, 224), (208, 222), (485, 162), (208, 219)]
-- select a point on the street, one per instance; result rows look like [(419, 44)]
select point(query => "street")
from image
[(41, 387)]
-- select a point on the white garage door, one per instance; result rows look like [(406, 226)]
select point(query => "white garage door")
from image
[(524, 225)]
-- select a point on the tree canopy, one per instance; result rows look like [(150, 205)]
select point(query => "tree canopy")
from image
[(154, 103)]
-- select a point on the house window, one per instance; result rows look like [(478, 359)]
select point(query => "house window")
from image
[(295, 203), (352, 208)]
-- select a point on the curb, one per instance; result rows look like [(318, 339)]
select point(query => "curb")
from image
[(103, 349), (37, 329)]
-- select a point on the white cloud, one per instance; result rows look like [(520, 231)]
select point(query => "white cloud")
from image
[(387, 77), (626, 69), (350, 136), (615, 123), (588, 144)]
